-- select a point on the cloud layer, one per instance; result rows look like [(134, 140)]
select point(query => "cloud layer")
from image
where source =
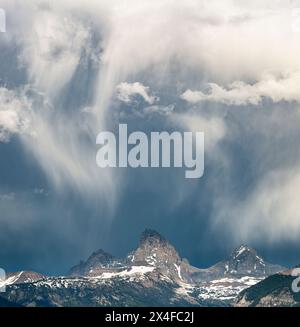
[(126, 92), (79, 68), (14, 113), (241, 94)]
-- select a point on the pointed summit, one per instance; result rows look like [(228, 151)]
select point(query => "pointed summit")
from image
[(243, 250), (245, 260), (155, 250), (98, 259), (153, 247), (152, 237)]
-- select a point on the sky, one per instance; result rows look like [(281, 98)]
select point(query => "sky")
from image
[(71, 69)]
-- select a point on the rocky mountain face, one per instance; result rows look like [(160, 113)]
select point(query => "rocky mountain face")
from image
[(243, 261), (154, 250), (227, 278), (246, 261), (274, 291), (97, 263), (21, 277), (153, 274)]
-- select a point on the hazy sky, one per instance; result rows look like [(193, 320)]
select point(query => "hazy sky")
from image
[(70, 69)]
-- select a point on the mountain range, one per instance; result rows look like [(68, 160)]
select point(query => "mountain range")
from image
[(153, 274)]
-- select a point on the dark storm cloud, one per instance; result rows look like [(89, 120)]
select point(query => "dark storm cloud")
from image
[(149, 65)]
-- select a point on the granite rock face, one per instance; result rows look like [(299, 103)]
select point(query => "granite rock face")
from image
[(154, 274), (243, 261)]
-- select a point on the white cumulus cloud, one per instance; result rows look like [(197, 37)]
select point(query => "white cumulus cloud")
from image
[(242, 94), (127, 91), (14, 113)]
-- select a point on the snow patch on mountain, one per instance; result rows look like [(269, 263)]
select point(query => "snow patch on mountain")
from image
[(10, 280), (135, 270)]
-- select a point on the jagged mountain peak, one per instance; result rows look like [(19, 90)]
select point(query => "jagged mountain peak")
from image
[(244, 251), (152, 246), (101, 256), (156, 251), (246, 260), (153, 271), (97, 259), (152, 237)]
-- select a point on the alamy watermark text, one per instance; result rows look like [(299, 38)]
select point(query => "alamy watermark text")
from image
[(160, 149)]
